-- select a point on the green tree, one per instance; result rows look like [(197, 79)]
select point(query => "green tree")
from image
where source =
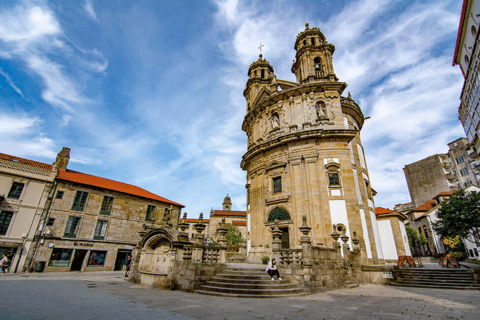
[(415, 240), (233, 235), (460, 216), (412, 237)]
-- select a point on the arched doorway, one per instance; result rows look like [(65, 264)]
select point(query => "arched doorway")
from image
[(279, 214)]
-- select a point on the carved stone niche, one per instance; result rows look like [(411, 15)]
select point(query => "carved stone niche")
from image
[(276, 188), (155, 255)]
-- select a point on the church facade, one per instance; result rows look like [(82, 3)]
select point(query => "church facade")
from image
[(305, 156)]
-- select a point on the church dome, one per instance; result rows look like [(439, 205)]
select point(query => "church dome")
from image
[(260, 64), (309, 37)]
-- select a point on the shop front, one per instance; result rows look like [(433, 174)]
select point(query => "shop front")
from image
[(61, 256)]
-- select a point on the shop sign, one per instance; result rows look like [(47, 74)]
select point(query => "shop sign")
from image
[(83, 244)]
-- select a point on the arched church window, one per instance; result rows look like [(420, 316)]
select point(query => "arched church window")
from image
[(278, 214), (304, 42), (316, 62), (263, 73), (313, 41)]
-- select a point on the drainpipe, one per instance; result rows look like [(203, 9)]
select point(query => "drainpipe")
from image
[(40, 228), (20, 255)]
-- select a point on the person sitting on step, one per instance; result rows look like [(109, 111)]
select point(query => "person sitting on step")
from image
[(272, 269)]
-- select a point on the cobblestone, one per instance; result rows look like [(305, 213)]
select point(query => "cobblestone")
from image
[(108, 295)]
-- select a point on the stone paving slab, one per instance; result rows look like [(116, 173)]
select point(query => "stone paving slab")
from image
[(105, 291)]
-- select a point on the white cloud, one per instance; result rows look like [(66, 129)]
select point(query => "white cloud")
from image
[(33, 35), (89, 9), (26, 24), (11, 83), (21, 136)]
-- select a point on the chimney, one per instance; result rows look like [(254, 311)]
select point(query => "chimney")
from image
[(62, 159)]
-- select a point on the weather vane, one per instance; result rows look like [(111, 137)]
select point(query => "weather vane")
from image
[(261, 45)]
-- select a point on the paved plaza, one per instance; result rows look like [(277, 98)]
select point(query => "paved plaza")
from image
[(108, 295)]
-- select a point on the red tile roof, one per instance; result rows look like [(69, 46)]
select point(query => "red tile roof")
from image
[(37, 164), (380, 210), (426, 206), (239, 223), (229, 213), (83, 178), (196, 220), (445, 193)]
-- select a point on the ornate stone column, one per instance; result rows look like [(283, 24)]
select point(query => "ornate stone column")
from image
[(306, 250), (345, 249), (222, 241), (198, 240)]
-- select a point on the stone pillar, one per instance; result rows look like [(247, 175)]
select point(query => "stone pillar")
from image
[(183, 236), (346, 250), (197, 251), (277, 242), (222, 242), (336, 245), (306, 250)]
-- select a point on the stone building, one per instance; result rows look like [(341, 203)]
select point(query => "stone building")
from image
[(428, 177), (454, 170), (466, 55), (393, 234), (305, 156), (235, 218), (24, 188), (93, 223)]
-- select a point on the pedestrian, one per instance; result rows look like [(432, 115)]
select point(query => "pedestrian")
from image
[(4, 263), (128, 264), (272, 269)]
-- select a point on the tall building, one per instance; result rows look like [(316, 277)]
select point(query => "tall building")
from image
[(466, 55), (304, 155), (428, 177), (24, 188), (454, 170), (465, 163)]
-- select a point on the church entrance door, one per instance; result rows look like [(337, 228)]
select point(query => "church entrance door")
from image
[(285, 238)]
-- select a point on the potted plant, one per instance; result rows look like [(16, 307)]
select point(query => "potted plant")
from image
[(265, 260)]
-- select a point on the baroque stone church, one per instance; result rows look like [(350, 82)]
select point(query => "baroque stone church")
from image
[(305, 156)]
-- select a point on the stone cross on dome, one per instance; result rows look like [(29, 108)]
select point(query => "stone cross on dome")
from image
[(261, 46)]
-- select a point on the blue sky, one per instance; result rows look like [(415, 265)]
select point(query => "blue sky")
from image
[(150, 92)]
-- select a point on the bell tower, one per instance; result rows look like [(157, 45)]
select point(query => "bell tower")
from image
[(261, 82), (313, 61)]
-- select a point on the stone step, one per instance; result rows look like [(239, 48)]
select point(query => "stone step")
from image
[(248, 281), (271, 285), (452, 283), (244, 276), (435, 277), (268, 291), (256, 296), (435, 286)]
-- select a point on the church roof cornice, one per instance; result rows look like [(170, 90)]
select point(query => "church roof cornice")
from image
[(345, 135), (286, 94)]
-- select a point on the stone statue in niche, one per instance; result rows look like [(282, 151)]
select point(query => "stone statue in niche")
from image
[(166, 218), (275, 121), (321, 109)]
